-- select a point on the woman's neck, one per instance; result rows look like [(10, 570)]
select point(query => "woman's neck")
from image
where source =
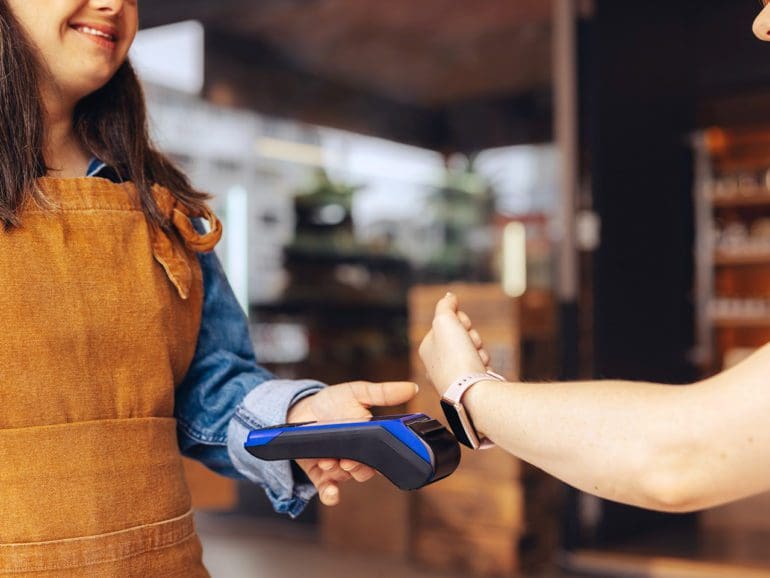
[(64, 154)]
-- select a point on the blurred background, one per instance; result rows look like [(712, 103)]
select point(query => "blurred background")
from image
[(592, 177)]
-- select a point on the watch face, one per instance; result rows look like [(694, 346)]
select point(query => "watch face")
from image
[(457, 424)]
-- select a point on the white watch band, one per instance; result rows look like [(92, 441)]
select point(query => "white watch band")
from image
[(458, 389)]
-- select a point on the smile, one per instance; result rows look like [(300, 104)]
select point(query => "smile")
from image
[(100, 35)]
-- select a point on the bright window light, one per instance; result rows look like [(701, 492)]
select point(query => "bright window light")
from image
[(171, 56)]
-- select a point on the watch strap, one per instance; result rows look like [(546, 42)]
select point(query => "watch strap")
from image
[(458, 389)]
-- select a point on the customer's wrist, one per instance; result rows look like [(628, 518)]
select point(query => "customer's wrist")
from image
[(473, 399)]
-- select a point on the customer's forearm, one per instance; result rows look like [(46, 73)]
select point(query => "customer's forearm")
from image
[(657, 446), (629, 442)]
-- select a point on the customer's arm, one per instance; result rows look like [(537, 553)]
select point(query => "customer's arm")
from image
[(655, 446)]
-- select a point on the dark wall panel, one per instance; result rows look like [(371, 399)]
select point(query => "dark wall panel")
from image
[(641, 109), (657, 71), (642, 113)]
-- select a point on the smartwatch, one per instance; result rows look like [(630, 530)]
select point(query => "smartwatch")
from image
[(454, 410)]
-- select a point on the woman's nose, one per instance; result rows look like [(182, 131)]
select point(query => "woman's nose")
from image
[(111, 6), (761, 26)]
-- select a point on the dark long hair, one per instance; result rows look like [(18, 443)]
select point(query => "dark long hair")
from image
[(111, 124)]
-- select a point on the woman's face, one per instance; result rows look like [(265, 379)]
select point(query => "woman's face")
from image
[(82, 42), (762, 22)]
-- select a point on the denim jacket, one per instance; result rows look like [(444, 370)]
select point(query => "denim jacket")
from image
[(225, 393)]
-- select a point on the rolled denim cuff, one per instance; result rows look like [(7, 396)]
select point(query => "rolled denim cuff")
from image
[(268, 405)]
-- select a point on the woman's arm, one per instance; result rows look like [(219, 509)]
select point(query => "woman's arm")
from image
[(226, 393), (655, 446)]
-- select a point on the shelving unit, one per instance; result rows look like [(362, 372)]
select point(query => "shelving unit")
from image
[(732, 204), (756, 198), (744, 256), (740, 322)]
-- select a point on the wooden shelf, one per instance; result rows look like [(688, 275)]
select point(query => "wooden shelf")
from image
[(741, 322), (757, 198), (726, 258)]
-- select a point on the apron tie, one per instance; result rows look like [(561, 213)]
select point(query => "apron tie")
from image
[(169, 253)]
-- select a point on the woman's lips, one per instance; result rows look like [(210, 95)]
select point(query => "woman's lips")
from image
[(100, 35)]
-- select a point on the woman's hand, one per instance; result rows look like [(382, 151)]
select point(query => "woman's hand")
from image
[(452, 348), (344, 401)]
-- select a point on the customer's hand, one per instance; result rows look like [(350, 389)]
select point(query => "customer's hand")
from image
[(344, 401), (452, 348)]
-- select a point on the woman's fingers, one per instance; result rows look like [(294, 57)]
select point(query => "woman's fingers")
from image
[(328, 486), (314, 473), (359, 472), (330, 490), (332, 469), (476, 338), (329, 493), (327, 481), (465, 320), (485, 359), (327, 465), (364, 474)]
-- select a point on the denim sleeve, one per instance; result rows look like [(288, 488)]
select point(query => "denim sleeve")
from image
[(225, 393)]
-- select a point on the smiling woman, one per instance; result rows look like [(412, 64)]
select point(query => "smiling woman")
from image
[(73, 53), (128, 348), (83, 43)]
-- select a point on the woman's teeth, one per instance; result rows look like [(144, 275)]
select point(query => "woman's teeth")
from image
[(94, 32)]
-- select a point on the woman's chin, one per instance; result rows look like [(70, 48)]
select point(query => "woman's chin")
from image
[(86, 85)]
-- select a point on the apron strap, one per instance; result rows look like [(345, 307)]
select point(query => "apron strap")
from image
[(200, 243), (169, 253)]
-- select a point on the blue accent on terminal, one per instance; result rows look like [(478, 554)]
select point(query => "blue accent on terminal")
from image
[(408, 437), (261, 438), (395, 425)]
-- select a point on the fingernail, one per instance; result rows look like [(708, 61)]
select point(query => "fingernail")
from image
[(330, 493), (449, 294), (416, 388)]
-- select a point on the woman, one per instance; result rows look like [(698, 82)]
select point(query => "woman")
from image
[(674, 449), (122, 341)]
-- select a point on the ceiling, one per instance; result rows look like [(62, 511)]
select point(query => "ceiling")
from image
[(420, 71)]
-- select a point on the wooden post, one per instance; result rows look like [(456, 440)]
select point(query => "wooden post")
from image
[(472, 521)]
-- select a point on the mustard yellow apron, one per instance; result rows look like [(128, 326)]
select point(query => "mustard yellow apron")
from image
[(100, 315)]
